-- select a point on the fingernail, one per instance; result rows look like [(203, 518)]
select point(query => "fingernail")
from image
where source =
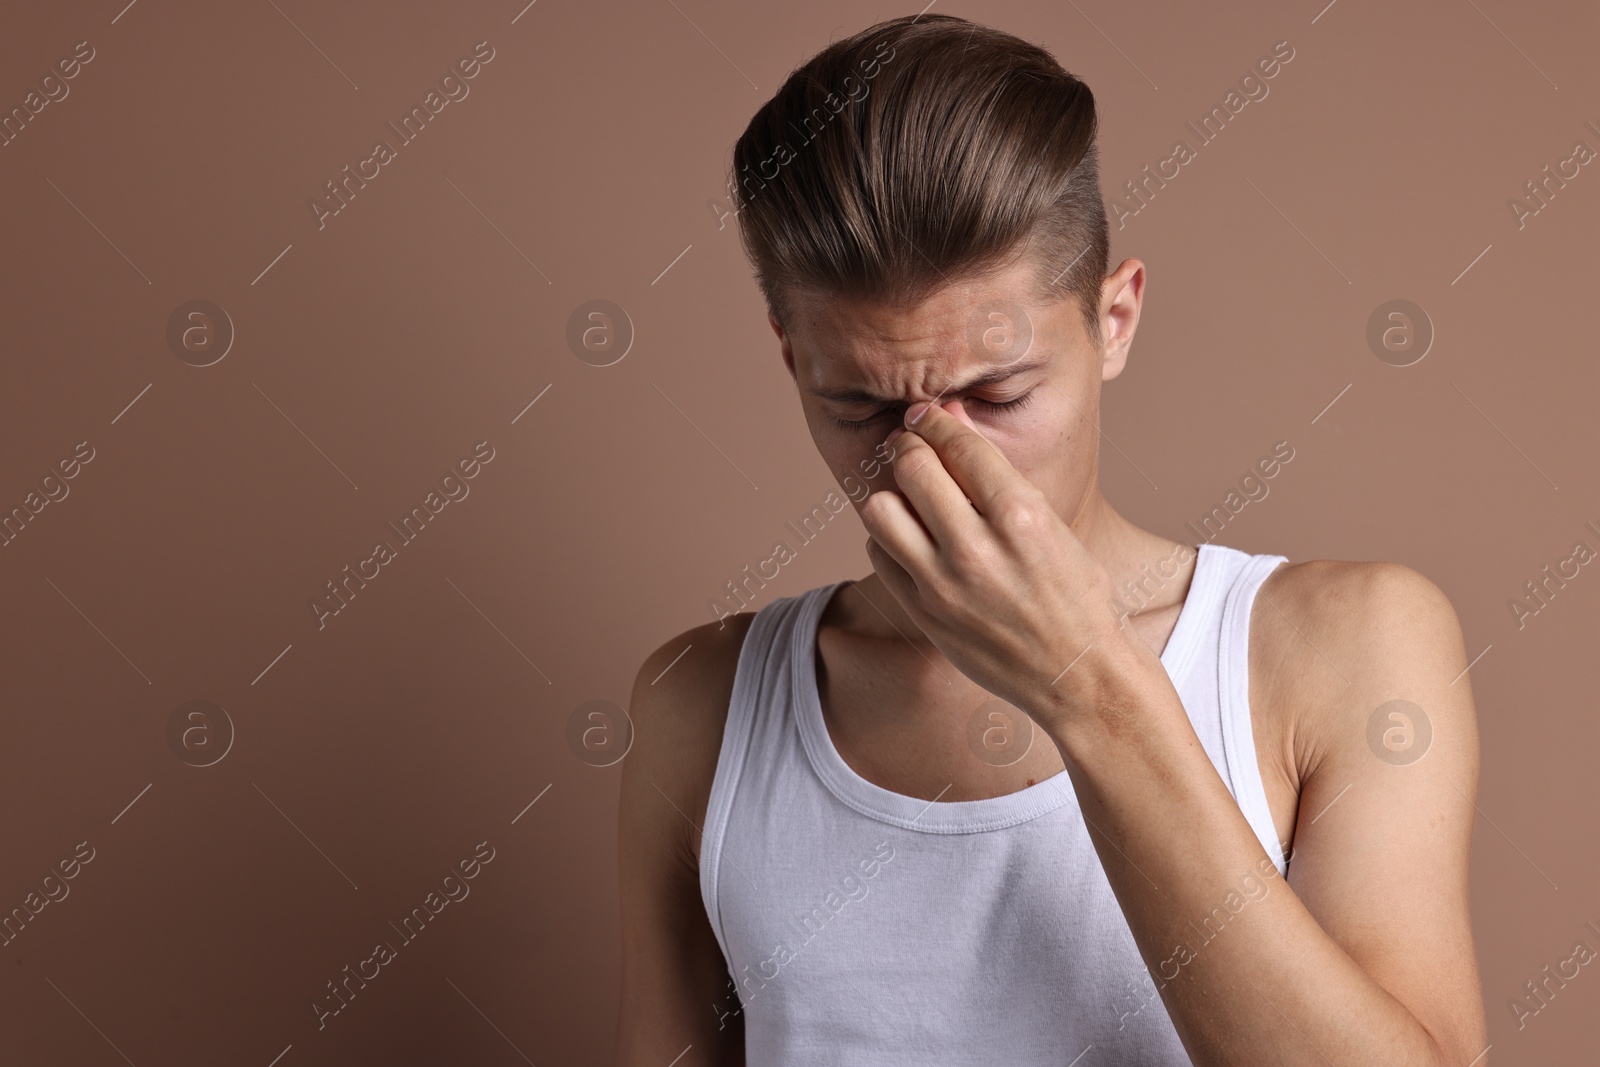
[(915, 412), (896, 432)]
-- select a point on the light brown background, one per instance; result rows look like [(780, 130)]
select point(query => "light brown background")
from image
[(375, 753)]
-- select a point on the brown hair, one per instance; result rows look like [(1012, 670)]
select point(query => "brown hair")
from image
[(922, 150)]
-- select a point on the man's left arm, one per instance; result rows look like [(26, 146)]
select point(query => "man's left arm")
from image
[(1370, 959)]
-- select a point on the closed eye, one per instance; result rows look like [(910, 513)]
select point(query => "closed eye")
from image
[(986, 405)]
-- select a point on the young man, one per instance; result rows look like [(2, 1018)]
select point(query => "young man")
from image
[(824, 861)]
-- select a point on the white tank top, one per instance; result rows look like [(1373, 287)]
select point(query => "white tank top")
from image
[(869, 928)]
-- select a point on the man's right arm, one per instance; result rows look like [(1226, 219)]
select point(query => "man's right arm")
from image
[(675, 993)]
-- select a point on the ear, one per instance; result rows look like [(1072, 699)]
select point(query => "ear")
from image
[(1121, 296), (783, 343)]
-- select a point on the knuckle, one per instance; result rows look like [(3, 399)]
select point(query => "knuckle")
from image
[(1019, 512), (971, 557), (911, 461)]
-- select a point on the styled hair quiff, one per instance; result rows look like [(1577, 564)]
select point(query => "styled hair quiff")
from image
[(922, 151)]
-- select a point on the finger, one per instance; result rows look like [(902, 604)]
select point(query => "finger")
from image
[(895, 579), (937, 499), (894, 526), (971, 460), (959, 410)]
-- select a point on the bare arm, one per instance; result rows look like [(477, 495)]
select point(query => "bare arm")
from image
[(677, 1006), (1370, 958)]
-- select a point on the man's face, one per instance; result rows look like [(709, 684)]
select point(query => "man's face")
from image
[(858, 366)]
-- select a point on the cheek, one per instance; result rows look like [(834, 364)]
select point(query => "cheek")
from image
[(1072, 425), (1027, 439), (1044, 444)]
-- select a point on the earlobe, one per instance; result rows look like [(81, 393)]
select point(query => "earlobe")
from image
[(1113, 346), (1116, 358)]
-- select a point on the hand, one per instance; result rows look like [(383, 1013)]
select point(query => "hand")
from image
[(980, 560)]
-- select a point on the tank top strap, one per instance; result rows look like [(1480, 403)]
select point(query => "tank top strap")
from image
[(1233, 696), (755, 710)]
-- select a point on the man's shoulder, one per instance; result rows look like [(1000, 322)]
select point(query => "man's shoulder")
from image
[(678, 710), (1345, 600), (684, 685), (1329, 633)]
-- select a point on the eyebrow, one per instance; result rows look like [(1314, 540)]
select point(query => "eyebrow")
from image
[(994, 377)]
